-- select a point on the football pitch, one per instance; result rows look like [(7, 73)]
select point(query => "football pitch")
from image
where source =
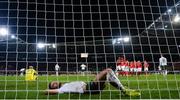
[(153, 86)]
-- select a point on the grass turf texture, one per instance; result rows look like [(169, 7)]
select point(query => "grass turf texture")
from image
[(151, 87)]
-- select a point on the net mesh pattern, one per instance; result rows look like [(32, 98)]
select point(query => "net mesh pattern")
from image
[(43, 33)]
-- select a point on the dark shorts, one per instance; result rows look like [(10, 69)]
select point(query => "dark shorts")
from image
[(163, 67), (83, 70), (94, 87)]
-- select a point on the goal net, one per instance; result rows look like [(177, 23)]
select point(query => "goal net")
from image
[(73, 40)]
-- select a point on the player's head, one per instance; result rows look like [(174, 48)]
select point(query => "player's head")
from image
[(54, 85), (30, 67)]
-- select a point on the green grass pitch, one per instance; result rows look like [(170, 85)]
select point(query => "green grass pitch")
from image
[(153, 86)]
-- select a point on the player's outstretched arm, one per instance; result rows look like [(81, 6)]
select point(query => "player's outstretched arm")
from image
[(51, 91)]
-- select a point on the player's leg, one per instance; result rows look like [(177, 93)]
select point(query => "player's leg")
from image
[(139, 71), (56, 72), (160, 69), (164, 70), (98, 84), (134, 71), (127, 71), (114, 81), (83, 72), (21, 73), (118, 68), (109, 75), (131, 71), (145, 70), (123, 70)]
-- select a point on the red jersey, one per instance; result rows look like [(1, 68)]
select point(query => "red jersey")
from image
[(118, 62), (122, 63), (126, 63), (146, 64), (132, 65), (139, 65)]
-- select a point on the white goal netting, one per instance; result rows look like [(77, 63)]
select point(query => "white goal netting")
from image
[(73, 40)]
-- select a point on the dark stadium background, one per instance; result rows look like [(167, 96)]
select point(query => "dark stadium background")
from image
[(90, 26)]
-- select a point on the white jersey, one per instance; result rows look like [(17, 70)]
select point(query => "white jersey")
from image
[(56, 67), (83, 66), (73, 87), (162, 61)]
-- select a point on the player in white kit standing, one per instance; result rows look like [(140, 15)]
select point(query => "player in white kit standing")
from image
[(57, 69), (83, 68), (163, 64)]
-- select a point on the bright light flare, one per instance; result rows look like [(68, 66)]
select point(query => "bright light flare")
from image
[(13, 37), (3, 31), (41, 45), (166, 26), (169, 10), (54, 45), (119, 39), (177, 18), (126, 39)]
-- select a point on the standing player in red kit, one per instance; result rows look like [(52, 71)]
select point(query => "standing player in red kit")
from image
[(139, 67), (118, 65), (132, 68), (126, 69), (146, 65)]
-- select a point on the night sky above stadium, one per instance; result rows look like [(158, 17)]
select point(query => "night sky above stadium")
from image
[(84, 26), (85, 18)]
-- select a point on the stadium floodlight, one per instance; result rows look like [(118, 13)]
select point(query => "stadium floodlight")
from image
[(3, 31), (120, 39), (54, 45), (41, 45), (169, 10), (177, 18), (126, 39), (166, 26), (13, 37)]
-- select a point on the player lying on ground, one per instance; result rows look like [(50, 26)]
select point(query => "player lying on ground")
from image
[(93, 87)]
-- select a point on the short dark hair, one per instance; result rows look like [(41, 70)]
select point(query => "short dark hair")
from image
[(50, 87)]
